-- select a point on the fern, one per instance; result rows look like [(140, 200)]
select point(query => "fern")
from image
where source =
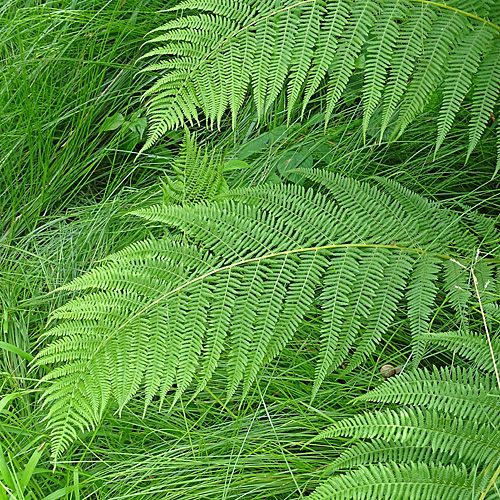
[(445, 419), (455, 391), (239, 275), (466, 440), (379, 53), (470, 346), (413, 481), (198, 177), (216, 52)]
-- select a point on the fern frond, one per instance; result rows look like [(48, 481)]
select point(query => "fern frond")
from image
[(458, 282), (458, 425), (245, 315), (412, 482), (472, 346), (470, 441), (222, 309), (407, 50), (385, 303), (462, 66), (298, 301), (332, 23), (464, 393), (219, 51), (236, 10), (252, 266), (303, 51), (421, 296), (379, 53), (265, 32), (379, 451), (336, 299), (349, 47), (435, 225), (366, 286), (271, 83), (199, 178), (358, 200), (448, 30)]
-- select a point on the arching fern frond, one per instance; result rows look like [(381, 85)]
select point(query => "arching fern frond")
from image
[(472, 346), (469, 441), (218, 51), (413, 482), (446, 417), (252, 266), (456, 391)]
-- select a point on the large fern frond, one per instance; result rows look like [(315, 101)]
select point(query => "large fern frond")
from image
[(413, 482), (217, 52), (472, 346), (239, 276)]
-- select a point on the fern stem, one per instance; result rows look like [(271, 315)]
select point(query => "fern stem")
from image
[(263, 257), (258, 259), (459, 11), (492, 481)]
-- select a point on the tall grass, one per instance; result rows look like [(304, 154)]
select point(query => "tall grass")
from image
[(66, 179)]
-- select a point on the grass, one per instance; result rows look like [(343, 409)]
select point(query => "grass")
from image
[(71, 126), (205, 449), (65, 181)]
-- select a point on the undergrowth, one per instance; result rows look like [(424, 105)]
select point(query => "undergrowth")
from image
[(72, 182)]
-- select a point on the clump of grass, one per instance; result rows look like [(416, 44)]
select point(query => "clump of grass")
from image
[(66, 180)]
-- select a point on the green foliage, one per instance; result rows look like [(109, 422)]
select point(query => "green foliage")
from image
[(215, 51), (198, 176), (236, 278), (72, 121), (442, 440), (471, 346), (412, 481)]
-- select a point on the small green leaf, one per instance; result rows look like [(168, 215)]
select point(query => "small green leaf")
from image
[(62, 492), (14, 349), (30, 467), (5, 472), (301, 158), (234, 165), (112, 122), (4, 402), (139, 126)]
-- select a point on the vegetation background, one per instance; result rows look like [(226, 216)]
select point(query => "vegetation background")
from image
[(72, 126)]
